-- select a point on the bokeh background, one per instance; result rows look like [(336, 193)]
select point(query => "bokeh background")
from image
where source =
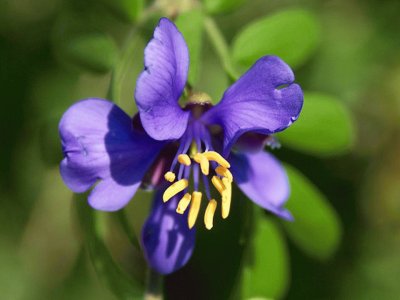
[(342, 155)]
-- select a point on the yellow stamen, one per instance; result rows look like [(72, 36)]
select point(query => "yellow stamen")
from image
[(169, 176), (174, 189), (215, 156), (194, 209), (184, 159), (183, 203), (222, 171), (204, 165), (197, 157), (226, 197), (209, 214), (218, 184), (203, 161)]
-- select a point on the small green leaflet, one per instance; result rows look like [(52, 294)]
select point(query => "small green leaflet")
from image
[(267, 274), (293, 35), (316, 228), (324, 128)]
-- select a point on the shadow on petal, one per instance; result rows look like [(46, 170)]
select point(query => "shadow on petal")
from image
[(130, 149), (167, 240)]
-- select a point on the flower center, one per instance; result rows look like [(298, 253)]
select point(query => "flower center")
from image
[(211, 164)]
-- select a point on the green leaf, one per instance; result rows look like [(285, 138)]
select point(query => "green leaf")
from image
[(316, 229), (268, 274), (129, 10), (324, 128), (292, 35), (190, 25), (222, 6), (109, 272), (94, 52)]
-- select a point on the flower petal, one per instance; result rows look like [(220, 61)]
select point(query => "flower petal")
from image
[(99, 142), (108, 195), (168, 242), (256, 102), (166, 60), (263, 179)]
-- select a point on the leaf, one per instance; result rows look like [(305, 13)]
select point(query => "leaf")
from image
[(324, 128), (292, 35), (222, 6), (190, 24), (94, 52), (117, 281), (129, 10), (268, 274), (316, 228)]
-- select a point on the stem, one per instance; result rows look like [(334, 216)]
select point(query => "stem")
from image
[(121, 69), (127, 228), (154, 286), (221, 47)]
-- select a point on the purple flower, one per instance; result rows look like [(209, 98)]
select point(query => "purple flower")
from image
[(190, 155)]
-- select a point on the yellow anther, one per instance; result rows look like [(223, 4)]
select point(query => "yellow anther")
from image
[(226, 197), (222, 171), (218, 184), (197, 157), (169, 176), (215, 156), (184, 159), (174, 189), (204, 165), (183, 203), (194, 209), (203, 161), (209, 214)]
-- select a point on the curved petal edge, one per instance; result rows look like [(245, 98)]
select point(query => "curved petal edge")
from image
[(161, 84), (100, 144), (264, 100), (263, 180)]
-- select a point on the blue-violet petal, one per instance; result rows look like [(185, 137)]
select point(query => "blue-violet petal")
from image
[(100, 143), (168, 242), (263, 179), (263, 100), (162, 82)]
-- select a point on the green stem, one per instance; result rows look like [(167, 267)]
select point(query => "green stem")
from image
[(120, 69), (127, 228), (221, 47), (154, 287)]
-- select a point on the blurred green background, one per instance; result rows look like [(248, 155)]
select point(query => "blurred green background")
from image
[(342, 155)]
